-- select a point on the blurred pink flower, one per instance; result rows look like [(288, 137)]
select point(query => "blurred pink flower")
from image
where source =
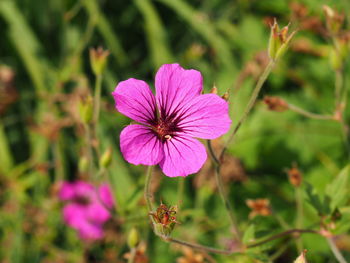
[(169, 121), (87, 207)]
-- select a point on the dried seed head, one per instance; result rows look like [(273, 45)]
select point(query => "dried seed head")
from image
[(275, 103), (295, 176), (164, 219), (260, 206)]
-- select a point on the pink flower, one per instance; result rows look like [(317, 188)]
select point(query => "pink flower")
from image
[(87, 208), (169, 121)]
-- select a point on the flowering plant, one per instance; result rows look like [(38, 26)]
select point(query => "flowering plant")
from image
[(168, 121), (87, 208)]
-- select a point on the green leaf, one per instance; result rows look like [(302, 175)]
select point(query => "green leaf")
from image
[(249, 234), (322, 205), (338, 189)]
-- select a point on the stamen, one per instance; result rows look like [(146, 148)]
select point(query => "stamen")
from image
[(168, 137)]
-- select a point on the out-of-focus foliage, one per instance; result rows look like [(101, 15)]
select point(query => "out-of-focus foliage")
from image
[(45, 75)]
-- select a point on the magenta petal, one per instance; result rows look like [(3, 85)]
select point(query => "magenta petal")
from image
[(139, 145), (206, 117), (91, 231), (134, 99), (74, 215), (67, 191), (97, 213), (182, 156), (176, 86), (106, 195)]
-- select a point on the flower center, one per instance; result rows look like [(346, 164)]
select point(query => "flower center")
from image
[(163, 130), (81, 200)]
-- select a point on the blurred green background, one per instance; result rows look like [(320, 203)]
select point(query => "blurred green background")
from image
[(45, 71)]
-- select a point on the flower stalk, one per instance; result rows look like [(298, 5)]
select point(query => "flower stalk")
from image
[(228, 205), (147, 193), (280, 235), (250, 104), (167, 238), (308, 114), (338, 255), (97, 99)]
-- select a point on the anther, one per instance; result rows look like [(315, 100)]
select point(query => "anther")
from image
[(168, 137)]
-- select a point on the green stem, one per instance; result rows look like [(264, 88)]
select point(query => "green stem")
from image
[(309, 114), (212, 153), (338, 87), (338, 255), (180, 189), (71, 13), (250, 104), (300, 212), (279, 235), (89, 149), (147, 193), (197, 246), (97, 99), (228, 206), (218, 161), (223, 194), (345, 135)]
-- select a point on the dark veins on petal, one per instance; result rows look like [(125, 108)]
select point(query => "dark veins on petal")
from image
[(166, 125)]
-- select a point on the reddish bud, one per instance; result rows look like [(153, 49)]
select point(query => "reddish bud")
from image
[(275, 103)]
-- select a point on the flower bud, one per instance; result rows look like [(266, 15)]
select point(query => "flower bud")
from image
[(334, 20), (83, 164), (279, 41), (98, 60), (295, 177), (275, 103), (106, 158), (86, 110), (301, 258), (214, 90), (133, 238), (164, 220), (226, 96), (335, 60)]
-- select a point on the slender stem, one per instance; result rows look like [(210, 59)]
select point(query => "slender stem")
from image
[(197, 246), (338, 255), (299, 218), (97, 99), (338, 87), (73, 11), (212, 153), (277, 236), (89, 149), (279, 251), (228, 205), (218, 161), (148, 195), (180, 189), (250, 104), (281, 221), (309, 114), (132, 255), (345, 135)]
